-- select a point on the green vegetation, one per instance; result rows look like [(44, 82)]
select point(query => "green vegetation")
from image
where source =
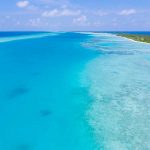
[(136, 37)]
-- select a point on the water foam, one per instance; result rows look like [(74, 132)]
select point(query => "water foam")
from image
[(24, 37)]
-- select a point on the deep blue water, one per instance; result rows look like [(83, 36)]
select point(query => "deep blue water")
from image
[(74, 91)]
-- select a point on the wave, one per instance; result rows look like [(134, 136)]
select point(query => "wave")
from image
[(24, 37)]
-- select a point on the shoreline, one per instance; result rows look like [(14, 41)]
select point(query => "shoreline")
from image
[(122, 35), (133, 39)]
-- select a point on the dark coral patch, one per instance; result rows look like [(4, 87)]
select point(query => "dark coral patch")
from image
[(18, 91), (23, 147), (45, 112), (35, 74)]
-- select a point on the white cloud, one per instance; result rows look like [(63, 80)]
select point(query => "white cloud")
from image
[(18, 23), (22, 4), (51, 13), (127, 12), (58, 13), (67, 12), (80, 20), (98, 24), (7, 17), (57, 2), (101, 13), (32, 7), (34, 22)]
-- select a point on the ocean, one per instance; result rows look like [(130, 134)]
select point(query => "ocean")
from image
[(73, 91)]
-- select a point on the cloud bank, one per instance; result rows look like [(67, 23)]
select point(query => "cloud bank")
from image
[(22, 4)]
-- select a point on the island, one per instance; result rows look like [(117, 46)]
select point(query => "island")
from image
[(136, 37)]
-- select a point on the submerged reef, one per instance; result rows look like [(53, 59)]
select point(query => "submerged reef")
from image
[(18, 91), (35, 74), (23, 147), (45, 112)]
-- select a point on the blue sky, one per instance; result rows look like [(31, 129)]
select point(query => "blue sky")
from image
[(75, 15)]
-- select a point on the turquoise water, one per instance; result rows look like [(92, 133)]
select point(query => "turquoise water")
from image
[(74, 91)]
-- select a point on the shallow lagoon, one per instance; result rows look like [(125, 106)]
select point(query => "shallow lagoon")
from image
[(74, 91)]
